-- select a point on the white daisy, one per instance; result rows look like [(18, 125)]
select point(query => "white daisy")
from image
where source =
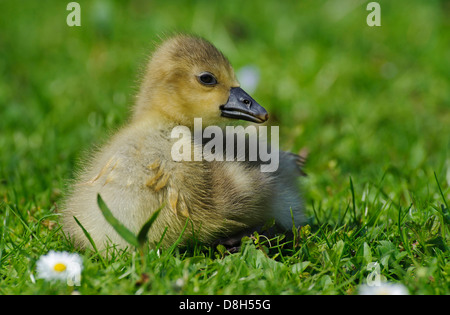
[(60, 266), (385, 288)]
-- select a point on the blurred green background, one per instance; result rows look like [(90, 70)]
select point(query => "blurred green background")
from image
[(364, 101)]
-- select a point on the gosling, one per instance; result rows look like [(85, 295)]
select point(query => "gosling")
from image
[(135, 173)]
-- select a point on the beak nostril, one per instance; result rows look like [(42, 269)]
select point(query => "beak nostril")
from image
[(242, 106)]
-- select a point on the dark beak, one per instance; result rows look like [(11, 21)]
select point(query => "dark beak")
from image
[(240, 105)]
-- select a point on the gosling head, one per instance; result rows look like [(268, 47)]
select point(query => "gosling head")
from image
[(186, 78)]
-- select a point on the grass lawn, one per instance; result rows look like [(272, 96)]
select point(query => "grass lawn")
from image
[(370, 104)]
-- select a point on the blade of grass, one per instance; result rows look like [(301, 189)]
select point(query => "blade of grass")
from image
[(125, 233), (401, 231), (142, 235), (2, 236), (315, 213), (440, 190), (353, 199), (326, 238), (341, 220), (161, 239), (88, 236), (180, 238), (294, 230)]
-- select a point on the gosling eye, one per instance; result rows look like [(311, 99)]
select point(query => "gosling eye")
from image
[(207, 78)]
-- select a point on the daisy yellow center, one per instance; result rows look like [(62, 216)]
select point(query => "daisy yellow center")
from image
[(59, 267)]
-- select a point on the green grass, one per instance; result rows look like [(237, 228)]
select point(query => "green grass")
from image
[(371, 105)]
